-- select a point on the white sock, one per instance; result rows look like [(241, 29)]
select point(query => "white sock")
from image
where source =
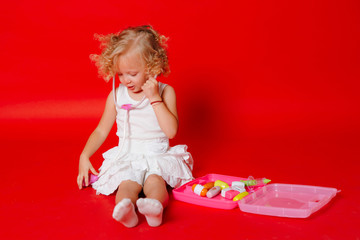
[(124, 212), (152, 209)]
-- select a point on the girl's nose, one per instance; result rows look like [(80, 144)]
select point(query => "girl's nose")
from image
[(125, 79), (128, 79)]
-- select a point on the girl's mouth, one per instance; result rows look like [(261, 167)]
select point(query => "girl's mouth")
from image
[(132, 88)]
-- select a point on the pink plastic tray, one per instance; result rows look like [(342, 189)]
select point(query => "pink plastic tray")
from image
[(287, 200), (184, 193)]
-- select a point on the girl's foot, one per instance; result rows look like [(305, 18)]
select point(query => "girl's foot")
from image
[(152, 209), (124, 212)]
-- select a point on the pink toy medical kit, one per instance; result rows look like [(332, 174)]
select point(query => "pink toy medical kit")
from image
[(185, 193), (281, 200)]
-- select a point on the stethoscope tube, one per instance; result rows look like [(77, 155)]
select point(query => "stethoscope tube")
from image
[(127, 108)]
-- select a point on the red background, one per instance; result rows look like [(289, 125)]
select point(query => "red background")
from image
[(264, 88)]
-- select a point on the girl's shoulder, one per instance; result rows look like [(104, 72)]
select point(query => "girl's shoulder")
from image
[(165, 88), (162, 86), (167, 91)]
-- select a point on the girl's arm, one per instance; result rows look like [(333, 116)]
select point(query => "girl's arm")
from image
[(95, 140), (166, 112)]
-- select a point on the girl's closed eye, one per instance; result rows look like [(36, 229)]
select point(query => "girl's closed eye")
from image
[(133, 74)]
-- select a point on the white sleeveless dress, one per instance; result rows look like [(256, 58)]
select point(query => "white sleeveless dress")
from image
[(143, 149)]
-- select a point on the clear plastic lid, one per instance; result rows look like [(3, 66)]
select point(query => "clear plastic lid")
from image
[(287, 200)]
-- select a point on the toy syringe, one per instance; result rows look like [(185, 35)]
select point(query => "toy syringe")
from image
[(258, 182), (252, 184)]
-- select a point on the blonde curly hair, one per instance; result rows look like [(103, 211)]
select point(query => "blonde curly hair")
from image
[(151, 45)]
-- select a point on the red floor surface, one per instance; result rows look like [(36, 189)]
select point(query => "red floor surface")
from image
[(264, 88)]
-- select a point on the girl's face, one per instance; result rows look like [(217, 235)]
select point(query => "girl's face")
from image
[(132, 71)]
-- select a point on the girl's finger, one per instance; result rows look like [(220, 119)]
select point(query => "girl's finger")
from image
[(92, 169), (79, 182), (153, 80), (86, 180)]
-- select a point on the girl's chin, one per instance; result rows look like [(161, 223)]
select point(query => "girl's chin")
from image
[(138, 91)]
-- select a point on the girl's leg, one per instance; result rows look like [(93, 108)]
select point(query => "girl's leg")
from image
[(155, 188), (128, 189), (126, 196), (156, 199)]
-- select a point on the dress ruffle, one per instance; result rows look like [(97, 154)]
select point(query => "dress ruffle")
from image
[(174, 165)]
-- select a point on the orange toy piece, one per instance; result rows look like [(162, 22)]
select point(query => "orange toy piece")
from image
[(199, 190), (209, 185)]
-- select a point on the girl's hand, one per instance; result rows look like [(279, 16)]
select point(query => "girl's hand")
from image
[(84, 167), (151, 89)]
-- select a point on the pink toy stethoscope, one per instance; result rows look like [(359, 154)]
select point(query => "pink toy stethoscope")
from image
[(127, 108)]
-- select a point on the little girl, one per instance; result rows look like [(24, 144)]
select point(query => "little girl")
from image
[(146, 117)]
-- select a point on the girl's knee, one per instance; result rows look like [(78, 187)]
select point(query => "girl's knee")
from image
[(155, 187), (129, 185), (154, 179)]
